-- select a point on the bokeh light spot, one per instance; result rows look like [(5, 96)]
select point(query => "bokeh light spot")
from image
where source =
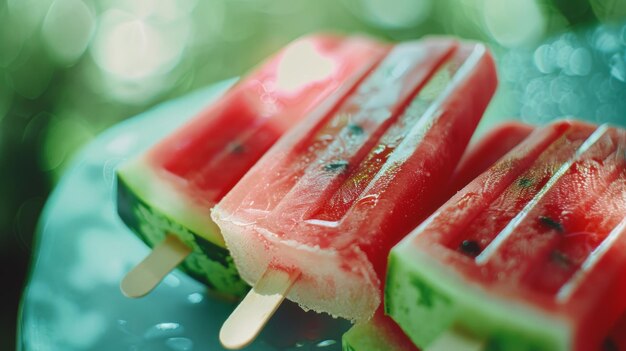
[(514, 23), (544, 58), (580, 62), (133, 49), (66, 40), (605, 40), (301, 65)]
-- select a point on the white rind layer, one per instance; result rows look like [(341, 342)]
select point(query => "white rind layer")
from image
[(352, 293)]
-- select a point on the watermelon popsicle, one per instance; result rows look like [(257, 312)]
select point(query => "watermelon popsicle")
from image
[(381, 332), (529, 256), (322, 208), (165, 195)]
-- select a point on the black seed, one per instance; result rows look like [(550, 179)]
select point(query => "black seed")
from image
[(237, 148), (525, 182), (355, 129), (470, 248), (561, 259), (335, 166), (551, 223), (609, 345)]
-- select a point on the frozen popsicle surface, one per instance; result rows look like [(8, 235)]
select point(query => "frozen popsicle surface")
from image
[(171, 188), (331, 198), (484, 152), (529, 256)]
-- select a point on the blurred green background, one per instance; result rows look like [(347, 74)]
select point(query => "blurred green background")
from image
[(71, 68)]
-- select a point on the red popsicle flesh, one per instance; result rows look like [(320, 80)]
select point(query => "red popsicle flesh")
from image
[(209, 155), (486, 151)]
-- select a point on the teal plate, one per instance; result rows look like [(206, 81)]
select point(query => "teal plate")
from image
[(73, 301)]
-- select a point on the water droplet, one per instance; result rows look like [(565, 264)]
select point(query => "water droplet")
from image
[(163, 330), (326, 343), (179, 344), (380, 149), (172, 281), (122, 325), (195, 298)]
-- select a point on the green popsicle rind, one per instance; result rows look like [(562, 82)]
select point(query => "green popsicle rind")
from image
[(426, 302)]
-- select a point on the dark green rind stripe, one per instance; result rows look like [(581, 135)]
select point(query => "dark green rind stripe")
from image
[(366, 337), (351, 340), (208, 263), (424, 312), (345, 345), (373, 336)]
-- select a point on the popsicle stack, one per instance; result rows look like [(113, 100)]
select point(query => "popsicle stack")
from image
[(527, 256), (165, 195)]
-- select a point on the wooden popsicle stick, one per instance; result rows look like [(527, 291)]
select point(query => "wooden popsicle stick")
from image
[(457, 341), (148, 273), (249, 318)]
